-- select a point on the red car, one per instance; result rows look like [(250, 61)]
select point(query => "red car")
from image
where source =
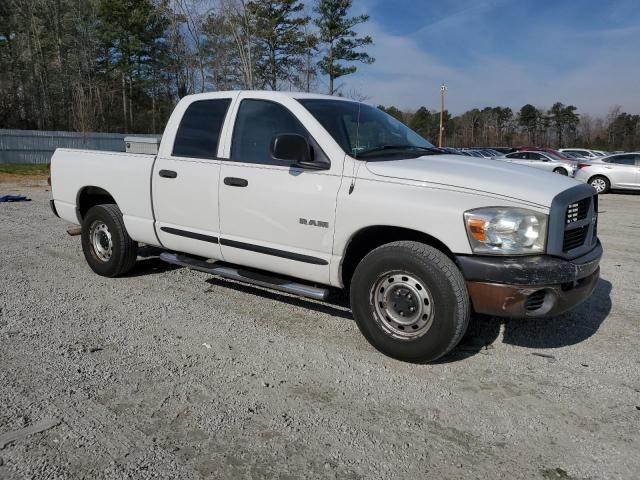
[(548, 150)]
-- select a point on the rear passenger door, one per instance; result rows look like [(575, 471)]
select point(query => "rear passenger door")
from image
[(274, 216), (185, 179)]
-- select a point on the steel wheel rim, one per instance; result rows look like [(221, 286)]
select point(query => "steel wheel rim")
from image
[(403, 305), (599, 184), (101, 242)]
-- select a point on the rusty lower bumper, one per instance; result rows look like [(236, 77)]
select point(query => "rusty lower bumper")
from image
[(534, 286), (529, 301)]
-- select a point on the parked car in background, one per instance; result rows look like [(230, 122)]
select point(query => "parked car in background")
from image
[(575, 156), (493, 153), (551, 151), (503, 150), (542, 160), (615, 171), (582, 152), (481, 152), (454, 151), (472, 153)]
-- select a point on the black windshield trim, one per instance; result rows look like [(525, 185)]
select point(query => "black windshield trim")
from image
[(401, 148)]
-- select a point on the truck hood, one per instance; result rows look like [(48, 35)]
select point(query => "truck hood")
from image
[(485, 176)]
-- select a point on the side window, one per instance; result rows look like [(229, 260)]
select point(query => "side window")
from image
[(257, 123), (623, 160), (199, 130), (534, 156)]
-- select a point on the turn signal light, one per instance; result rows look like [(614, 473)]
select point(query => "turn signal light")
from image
[(477, 228)]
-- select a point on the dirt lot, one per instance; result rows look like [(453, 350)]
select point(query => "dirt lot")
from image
[(170, 373)]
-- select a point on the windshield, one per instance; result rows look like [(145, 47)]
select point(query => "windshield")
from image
[(365, 131)]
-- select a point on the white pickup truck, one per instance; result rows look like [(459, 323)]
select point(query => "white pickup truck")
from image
[(301, 193)]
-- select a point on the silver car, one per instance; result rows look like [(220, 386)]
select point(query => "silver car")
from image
[(615, 171), (582, 152), (542, 160)]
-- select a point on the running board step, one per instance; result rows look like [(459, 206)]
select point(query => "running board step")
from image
[(247, 276)]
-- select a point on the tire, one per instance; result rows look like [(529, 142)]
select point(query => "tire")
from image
[(560, 171), (600, 183), (422, 275), (107, 247)]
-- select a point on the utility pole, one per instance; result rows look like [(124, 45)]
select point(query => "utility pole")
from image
[(442, 90)]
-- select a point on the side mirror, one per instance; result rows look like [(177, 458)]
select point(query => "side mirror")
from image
[(291, 147)]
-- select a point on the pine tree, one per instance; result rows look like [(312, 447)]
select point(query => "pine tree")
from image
[(340, 41), (421, 122), (129, 33), (528, 119), (280, 39)]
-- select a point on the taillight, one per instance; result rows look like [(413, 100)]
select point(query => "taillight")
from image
[(584, 165), (49, 177)]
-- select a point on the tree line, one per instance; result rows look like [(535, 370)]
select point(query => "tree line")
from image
[(122, 65), (559, 126)]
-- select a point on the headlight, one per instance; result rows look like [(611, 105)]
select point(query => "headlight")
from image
[(506, 230)]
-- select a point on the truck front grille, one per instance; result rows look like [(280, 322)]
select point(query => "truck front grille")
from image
[(574, 238), (578, 211), (573, 222)]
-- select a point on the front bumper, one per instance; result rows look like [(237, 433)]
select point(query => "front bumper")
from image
[(536, 286)]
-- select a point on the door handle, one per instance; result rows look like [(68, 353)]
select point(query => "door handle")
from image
[(236, 182), (168, 174)]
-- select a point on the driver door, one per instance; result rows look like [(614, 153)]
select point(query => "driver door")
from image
[(275, 216)]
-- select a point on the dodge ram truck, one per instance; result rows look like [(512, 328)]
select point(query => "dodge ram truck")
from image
[(306, 193)]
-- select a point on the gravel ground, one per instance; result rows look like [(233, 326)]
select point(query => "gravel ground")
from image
[(171, 373)]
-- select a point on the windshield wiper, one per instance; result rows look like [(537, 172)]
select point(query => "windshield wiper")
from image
[(399, 147)]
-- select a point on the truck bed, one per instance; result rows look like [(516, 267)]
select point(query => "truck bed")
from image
[(126, 176)]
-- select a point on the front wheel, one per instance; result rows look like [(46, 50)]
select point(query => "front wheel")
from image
[(107, 247), (561, 171), (600, 183), (410, 301)]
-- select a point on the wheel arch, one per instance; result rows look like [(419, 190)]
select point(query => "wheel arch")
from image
[(369, 238), (89, 196)]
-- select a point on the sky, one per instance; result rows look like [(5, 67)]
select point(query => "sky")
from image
[(501, 52)]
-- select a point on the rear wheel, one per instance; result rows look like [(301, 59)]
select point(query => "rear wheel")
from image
[(107, 247), (600, 183), (560, 171), (410, 301)]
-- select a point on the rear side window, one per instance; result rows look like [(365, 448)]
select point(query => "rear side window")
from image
[(257, 123), (199, 130), (623, 160)]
